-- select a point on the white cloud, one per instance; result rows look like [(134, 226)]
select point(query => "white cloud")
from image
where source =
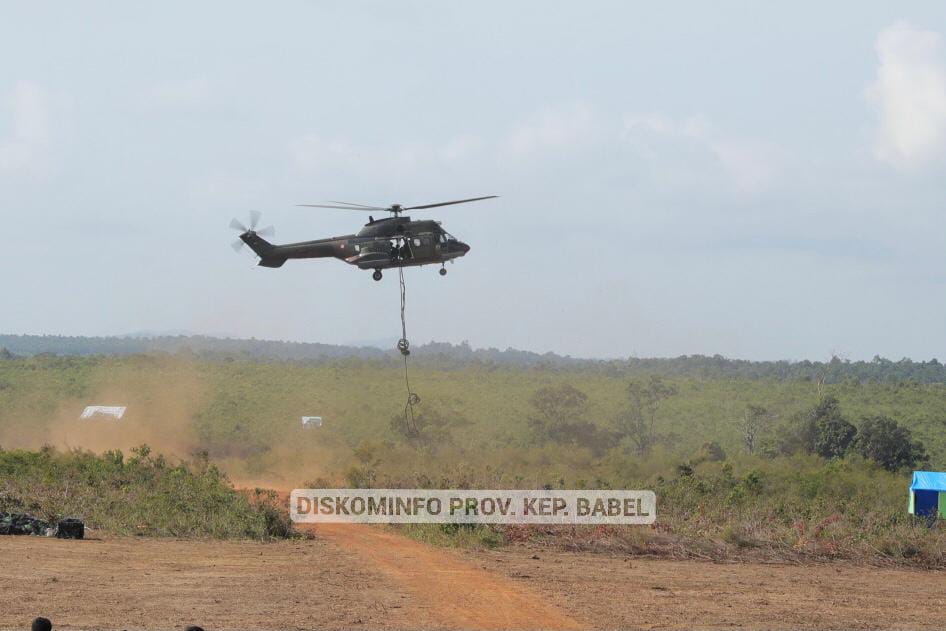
[(910, 94), (552, 129), (316, 154), (461, 148), (752, 166), (690, 127), (27, 145), (221, 187), (313, 153), (679, 154)]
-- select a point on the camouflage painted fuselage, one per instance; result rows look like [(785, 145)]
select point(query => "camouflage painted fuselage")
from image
[(380, 244)]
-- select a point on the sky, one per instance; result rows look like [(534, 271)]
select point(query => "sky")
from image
[(756, 180)]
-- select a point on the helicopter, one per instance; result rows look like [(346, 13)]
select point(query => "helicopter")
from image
[(389, 242)]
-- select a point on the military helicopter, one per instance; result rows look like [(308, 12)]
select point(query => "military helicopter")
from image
[(395, 241)]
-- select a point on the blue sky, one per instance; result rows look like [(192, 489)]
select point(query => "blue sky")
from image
[(733, 177)]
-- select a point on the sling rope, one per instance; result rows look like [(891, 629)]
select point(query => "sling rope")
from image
[(405, 347)]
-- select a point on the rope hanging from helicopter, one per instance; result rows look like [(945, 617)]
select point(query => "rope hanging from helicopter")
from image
[(404, 346), (274, 255)]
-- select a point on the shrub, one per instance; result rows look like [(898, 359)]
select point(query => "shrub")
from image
[(140, 495), (888, 444)]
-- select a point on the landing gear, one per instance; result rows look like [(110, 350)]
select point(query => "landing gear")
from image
[(443, 271), (376, 275)]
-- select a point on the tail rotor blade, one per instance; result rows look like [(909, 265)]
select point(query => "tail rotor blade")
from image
[(237, 245), (236, 225), (268, 231), (254, 218)]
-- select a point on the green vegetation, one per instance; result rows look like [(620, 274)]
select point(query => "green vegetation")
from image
[(797, 508), (787, 466), (438, 355), (248, 412), (141, 495)]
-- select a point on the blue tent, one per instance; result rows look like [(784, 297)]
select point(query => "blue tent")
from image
[(928, 494)]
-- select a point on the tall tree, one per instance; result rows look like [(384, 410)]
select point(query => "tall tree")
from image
[(638, 421), (559, 415), (825, 431), (755, 421), (834, 436)]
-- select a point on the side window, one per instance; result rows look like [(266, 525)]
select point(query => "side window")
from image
[(357, 248), (416, 241)]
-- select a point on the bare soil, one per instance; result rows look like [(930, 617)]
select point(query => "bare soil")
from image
[(371, 578), (609, 592)]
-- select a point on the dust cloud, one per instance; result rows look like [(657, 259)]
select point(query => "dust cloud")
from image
[(161, 402), (163, 397)]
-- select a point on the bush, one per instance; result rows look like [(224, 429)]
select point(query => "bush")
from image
[(141, 495), (833, 438), (888, 444), (557, 417), (825, 431)]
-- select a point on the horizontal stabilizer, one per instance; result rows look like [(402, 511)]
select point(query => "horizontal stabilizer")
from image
[(271, 262)]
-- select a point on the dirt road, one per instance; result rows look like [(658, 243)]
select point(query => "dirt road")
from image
[(371, 579), (459, 592)]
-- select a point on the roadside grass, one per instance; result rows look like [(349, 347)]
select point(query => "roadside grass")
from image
[(467, 536), (787, 510), (143, 494)]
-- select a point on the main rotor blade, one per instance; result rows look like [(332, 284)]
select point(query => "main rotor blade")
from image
[(268, 231), (341, 207), (236, 225), (254, 218), (459, 201), (237, 245), (358, 205)]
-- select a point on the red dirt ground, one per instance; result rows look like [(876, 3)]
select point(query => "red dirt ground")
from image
[(371, 578)]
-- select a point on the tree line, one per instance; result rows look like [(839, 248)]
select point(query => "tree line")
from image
[(447, 356), (560, 415)]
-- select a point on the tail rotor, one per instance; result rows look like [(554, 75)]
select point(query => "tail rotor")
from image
[(255, 216)]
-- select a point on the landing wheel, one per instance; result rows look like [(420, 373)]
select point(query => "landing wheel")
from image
[(443, 271), (376, 275)]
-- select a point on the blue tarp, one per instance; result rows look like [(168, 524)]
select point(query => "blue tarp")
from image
[(928, 495), (925, 503), (928, 481)]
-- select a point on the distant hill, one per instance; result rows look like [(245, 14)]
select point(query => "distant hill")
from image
[(199, 344), (445, 356)]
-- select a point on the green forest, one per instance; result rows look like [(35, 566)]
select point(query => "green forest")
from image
[(530, 421), (450, 356), (796, 465)]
